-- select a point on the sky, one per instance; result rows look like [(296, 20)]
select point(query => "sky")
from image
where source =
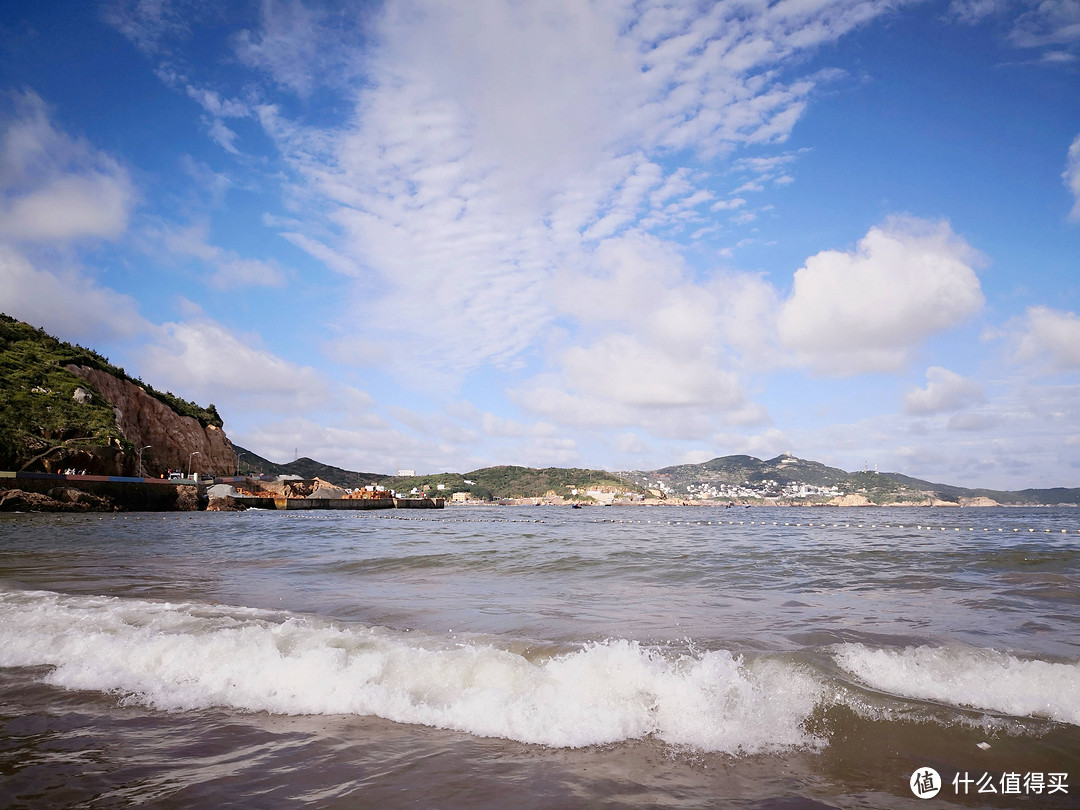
[(615, 234)]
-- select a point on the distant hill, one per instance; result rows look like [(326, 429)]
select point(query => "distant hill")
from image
[(784, 479), (507, 482), (788, 477), (740, 477), (251, 462), (1051, 496)]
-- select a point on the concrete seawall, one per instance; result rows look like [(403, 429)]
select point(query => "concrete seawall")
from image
[(164, 495), (315, 503), (419, 503), (340, 503), (124, 493)]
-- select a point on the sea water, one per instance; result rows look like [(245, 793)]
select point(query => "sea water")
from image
[(541, 656)]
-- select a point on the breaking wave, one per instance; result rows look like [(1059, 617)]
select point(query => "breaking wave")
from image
[(185, 656), (969, 677)]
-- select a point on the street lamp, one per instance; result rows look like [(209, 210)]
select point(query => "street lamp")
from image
[(196, 453), (139, 470), (238, 464)]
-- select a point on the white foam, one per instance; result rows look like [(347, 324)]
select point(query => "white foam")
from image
[(187, 656), (977, 678)]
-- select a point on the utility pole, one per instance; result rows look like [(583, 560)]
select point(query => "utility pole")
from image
[(138, 467)]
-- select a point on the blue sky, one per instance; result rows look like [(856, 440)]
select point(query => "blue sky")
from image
[(444, 235)]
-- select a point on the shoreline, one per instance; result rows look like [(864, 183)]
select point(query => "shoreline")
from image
[(54, 492)]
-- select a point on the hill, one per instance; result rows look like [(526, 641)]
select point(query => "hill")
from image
[(251, 462), (487, 484), (790, 479), (784, 477), (509, 482)]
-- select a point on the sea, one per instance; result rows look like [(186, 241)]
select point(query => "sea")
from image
[(542, 656)]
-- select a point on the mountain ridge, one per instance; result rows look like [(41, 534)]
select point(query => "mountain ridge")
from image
[(785, 478)]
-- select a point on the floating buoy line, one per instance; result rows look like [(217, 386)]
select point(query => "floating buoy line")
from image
[(83, 517), (810, 524)]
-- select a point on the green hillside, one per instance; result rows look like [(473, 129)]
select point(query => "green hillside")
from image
[(780, 477), (494, 483), (488, 484), (42, 426)]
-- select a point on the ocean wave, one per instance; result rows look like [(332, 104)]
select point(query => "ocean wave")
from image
[(185, 656), (982, 679)]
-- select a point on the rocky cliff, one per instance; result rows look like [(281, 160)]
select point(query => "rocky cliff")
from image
[(145, 420)]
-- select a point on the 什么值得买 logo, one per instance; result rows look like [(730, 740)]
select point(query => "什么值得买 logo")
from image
[(925, 783)]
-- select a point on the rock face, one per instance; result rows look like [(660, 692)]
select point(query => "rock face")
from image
[(60, 499), (851, 500), (979, 501), (144, 420)]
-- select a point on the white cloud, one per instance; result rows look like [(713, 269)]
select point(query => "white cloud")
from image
[(54, 187), (1045, 335), (147, 22), (379, 449), (66, 304), (626, 371), (974, 11), (632, 444), (1048, 22), (1071, 176), (222, 136), (206, 359), (457, 192), (228, 269), (302, 46), (865, 310), (945, 391)]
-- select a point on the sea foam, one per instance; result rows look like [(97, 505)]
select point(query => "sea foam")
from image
[(983, 679), (189, 656)]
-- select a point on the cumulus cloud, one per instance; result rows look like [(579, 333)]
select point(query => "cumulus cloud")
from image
[(945, 391), (207, 359), (1071, 176), (1047, 336), (66, 304), (865, 310), (54, 187)]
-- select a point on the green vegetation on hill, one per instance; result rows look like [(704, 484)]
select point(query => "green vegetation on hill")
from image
[(494, 483), (39, 417)]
